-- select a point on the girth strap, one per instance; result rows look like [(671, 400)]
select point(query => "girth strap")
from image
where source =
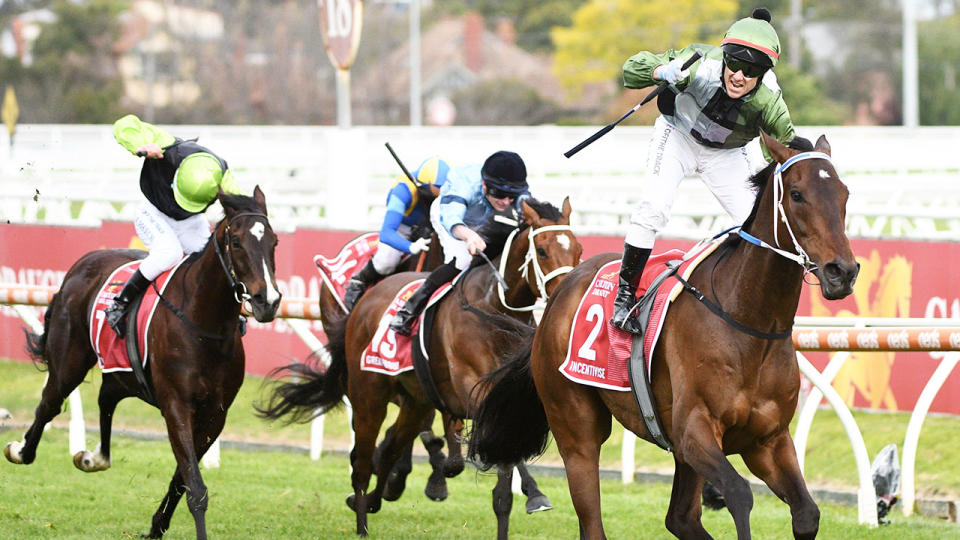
[(133, 352)]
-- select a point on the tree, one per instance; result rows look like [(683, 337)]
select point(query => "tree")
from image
[(532, 19), (607, 32), (939, 71), (503, 102)]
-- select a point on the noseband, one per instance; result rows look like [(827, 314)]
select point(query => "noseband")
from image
[(531, 257), (239, 289), (800, 257)]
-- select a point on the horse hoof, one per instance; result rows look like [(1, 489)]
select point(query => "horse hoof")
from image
[(436, 489), (452, 467), (372, 506), (395, 486), (539, 503), (90, 461), (12, 452)]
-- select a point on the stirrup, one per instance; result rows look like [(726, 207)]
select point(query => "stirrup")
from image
[(402, 323), (116, 316)]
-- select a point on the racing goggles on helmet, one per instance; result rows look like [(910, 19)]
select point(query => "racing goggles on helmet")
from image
[(498, 193), (748, 69), (500, 188)]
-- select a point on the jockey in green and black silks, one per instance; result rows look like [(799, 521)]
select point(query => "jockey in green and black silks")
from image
[(179, 179), (708, 114)]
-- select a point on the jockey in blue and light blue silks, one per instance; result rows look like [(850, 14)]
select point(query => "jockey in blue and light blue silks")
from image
[(407, 209), (472, 194)]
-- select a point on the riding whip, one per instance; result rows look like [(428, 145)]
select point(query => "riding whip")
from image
[(606, 129), (400, 163), (496, 273)]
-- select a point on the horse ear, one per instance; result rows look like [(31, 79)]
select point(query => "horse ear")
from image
[(822, 145), (779, 152), (530, 215), (258, 196), (566, 209)]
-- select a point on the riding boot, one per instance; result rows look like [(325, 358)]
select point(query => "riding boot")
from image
[(402, 322), (117, 312), (359, 283), (631, 268)]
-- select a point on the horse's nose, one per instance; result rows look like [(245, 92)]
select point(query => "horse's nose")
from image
[(840, 276), (265, 306)]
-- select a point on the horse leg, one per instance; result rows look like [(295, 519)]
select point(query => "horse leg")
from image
[(436, 488), (368, 415), (180, 430), (397, 480), (536, 500), (684, 513), (452, 428), (410, 421), (503, 500), (66, 371), (776, 464), (161, 518), (99, 459)]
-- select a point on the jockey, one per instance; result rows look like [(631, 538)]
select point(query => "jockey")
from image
[(408, 207), (709, 112), (472, 195), (180, 179)]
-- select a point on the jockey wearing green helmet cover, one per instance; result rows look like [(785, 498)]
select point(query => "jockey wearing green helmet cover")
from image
[(709, 112), (179, 179)]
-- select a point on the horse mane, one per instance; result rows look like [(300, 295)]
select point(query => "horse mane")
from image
[(544, 209)]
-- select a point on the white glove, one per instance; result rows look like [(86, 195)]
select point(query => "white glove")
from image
[(422, 244), (672, 72)]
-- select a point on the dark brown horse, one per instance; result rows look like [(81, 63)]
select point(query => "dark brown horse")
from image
[(462, 348), (718, 389), (196, 362)]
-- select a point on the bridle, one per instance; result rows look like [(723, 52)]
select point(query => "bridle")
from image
[(240, 293), (530, 259), (800, 256)]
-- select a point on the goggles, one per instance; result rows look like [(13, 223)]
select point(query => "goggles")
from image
[(747, 68), (498, 193)]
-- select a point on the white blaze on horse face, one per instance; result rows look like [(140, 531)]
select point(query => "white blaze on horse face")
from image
[(272, 294), (825, 175), (564, 241), (257, 230)]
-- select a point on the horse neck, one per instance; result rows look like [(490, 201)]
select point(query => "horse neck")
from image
[(758, 287), (213, 307)]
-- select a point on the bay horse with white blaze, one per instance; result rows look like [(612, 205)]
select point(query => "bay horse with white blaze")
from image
[(463, 346), (723, 382), (196, 357)]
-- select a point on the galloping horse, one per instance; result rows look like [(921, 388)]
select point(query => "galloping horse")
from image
[(462, 348), (723, 382), (196, 355)]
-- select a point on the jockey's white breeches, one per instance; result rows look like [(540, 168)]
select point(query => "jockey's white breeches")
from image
[(168, 239), (453, 248), (387, 257), (671, 156)]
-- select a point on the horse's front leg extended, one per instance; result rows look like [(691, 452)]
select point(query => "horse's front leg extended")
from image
[(684, 512), (776, 464), (161, 518), (180, 432)]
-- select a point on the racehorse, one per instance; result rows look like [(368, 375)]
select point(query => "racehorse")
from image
[(723, 382), (196, 355), (462, 347)]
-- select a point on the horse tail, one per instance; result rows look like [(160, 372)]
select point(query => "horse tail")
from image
[(312, 392), (509, 424), (36, 345)]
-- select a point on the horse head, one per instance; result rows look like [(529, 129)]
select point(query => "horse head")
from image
[(248, 244), (551, 248), (810, 200)]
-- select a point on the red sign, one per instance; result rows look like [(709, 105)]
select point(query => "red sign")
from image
[(340, 21), (897, 279)]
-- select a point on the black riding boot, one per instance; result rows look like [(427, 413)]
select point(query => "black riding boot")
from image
[(402, 322), (634, 259), (117, 312), (359, 283)]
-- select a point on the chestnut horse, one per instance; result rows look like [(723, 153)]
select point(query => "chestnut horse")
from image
[(722, 384), (196, 355), (462, 348)]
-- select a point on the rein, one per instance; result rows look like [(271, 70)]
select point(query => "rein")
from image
[(531, 257), (239, 289)]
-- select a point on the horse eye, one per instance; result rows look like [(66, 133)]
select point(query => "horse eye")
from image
[(235, 242), (541, 252), (796, 196)]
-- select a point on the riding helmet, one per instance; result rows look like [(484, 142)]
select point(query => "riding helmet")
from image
[(753, 40), (505, 170)]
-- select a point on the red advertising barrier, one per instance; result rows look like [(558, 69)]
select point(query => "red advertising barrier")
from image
[(897, 279)]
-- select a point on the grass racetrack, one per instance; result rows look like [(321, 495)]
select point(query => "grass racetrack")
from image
[(280, 494)]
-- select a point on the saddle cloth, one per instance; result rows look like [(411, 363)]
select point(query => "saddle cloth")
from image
[(111, 349), (390, 353), (598, 352), (336, 272)]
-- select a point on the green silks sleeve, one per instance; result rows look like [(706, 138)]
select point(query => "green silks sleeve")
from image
[(132, 133)]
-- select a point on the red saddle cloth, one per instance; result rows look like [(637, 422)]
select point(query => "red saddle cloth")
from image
[(111, 349), (390, 353), (598, 351), (336, 272)]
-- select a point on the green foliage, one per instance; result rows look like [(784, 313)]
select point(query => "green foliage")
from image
[(939, 71), (605, 33), (532, 19), (808, 103)]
